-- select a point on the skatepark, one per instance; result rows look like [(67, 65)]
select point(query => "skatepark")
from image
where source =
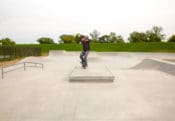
[(116, 86)]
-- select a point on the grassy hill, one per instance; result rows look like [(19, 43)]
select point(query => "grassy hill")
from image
[(109, 47)]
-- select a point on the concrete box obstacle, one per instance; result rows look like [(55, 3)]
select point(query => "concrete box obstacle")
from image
[(91, 74)]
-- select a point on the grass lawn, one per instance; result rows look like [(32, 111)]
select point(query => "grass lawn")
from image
[(109, 47), (9, 61), (99, 47)]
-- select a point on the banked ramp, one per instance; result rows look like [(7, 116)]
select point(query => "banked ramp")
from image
[(156, 64)]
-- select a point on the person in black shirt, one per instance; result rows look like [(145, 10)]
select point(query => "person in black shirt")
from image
[(86, 48)]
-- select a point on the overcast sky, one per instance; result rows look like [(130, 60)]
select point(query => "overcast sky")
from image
[(26, 20)]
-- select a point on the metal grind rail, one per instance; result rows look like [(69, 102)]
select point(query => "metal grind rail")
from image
[(24, 66)]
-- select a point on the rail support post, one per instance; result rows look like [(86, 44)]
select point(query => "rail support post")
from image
[(42, 66), (24, 66), (2, 72)]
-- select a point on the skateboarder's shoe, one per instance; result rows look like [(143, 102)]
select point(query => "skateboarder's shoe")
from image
[(83, 65)]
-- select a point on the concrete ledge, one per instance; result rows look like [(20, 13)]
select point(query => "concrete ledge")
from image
[(92, 54), (95, 74), (53, 53)]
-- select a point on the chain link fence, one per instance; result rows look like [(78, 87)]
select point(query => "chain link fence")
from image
[(15, 51)]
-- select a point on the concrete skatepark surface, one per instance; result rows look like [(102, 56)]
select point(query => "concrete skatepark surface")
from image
[(143, 89)]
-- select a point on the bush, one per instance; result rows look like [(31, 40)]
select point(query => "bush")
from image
[(67, 38), (45, 40), (7, 41), (172, 39)]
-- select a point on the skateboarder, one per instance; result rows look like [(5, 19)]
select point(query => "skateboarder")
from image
[(86, 48)]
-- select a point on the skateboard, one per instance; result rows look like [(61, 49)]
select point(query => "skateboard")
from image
[(83, 65)]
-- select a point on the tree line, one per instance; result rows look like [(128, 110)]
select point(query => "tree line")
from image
[(153, 35)]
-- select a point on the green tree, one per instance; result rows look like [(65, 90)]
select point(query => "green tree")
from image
[(67, 38), (7, 41), (113, 38), (104, 39), (155, 34), (95, 36), (138, 37), (45, 40), (172, 39), (77, 38), (119, 39)]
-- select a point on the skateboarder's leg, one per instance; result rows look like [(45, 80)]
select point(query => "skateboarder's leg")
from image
[(81, 56), (85, 57)]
